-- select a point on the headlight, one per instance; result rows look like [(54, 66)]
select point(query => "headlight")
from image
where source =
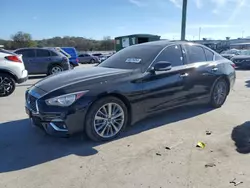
[(65, 100)]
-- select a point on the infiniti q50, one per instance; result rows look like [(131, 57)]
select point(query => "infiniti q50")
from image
[(137, 81)]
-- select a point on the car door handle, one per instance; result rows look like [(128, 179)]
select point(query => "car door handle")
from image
[(183, 75)]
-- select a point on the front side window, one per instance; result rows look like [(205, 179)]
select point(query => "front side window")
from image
[(172, 54), (195, 54)]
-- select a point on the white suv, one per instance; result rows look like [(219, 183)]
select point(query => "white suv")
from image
[(12, 71)]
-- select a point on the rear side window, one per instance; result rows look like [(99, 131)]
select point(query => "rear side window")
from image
[(209, 55), (52, 53), (195, 54), (172, 54), (42, 53), (26, 53)]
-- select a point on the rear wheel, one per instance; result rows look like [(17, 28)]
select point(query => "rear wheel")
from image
[(106, 119), (92, 61), (219, 93), (54, 69), (7, 85)]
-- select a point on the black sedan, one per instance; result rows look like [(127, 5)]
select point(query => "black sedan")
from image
[(242, 60), (137, 81)]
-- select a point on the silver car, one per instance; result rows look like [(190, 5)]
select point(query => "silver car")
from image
[(87, 58)]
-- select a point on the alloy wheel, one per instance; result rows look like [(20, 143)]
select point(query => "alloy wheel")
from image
[(109, 120), (220, 92), (56, 69), (6, 85)]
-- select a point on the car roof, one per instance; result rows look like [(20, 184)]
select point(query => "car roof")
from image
[(35, 48), (164, 43)]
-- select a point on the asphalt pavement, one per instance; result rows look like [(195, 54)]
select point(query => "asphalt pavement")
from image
[(157, 152)]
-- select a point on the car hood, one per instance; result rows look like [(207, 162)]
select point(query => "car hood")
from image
[(239, 57), (66, 78)]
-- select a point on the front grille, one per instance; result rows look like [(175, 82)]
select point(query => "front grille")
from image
[(31, 101)]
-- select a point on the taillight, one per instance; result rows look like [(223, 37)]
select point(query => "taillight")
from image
[(13, 58), (233, 65), (77, 60)]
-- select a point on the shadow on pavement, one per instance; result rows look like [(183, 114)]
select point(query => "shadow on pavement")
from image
[(36, 77), (23, 146), (241, 137), (247, 83)]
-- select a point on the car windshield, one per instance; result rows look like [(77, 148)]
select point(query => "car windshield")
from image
[(245, 52), (133, 57)]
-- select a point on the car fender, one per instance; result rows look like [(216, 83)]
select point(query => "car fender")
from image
[(8, 72)]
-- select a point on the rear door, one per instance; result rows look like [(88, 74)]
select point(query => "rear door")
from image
[(43, 59), (200, 71), (28, 56)]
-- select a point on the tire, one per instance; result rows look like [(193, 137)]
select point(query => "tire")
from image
[(92, 61), (7, 85), (53, 68), (111, 126), (219, 93), (71, 66)]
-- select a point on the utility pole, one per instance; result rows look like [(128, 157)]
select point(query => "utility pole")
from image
[(199, 33), (184, 18)]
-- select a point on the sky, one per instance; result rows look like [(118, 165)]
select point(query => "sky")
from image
[(95, 19)]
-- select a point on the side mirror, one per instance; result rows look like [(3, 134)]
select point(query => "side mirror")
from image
[(162, 66)]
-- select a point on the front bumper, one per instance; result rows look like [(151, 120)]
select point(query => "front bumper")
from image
[(57, 124), (23, 78)]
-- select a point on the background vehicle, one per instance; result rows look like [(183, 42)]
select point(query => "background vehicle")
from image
[(12, 71), (73, 59), (86, 58), (97, 54), (242, 60), (230, 53), (137, 81), (43, 60), (104, 57)]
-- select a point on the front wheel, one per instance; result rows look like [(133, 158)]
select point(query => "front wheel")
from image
[(219, 93), (7, 85), (106, 119)]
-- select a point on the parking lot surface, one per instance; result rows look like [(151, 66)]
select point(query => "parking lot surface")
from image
[(157, 152)]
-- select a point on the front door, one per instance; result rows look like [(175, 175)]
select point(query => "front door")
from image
[(164, 89)]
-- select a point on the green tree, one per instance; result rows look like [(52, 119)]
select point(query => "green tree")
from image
[(21, 39)]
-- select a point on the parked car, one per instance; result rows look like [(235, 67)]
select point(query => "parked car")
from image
[(137, 81), (87, 58), (104, 57), (12, 71), (97, 54), (230, 53), (71, 53), (242, 60), (43, 61)]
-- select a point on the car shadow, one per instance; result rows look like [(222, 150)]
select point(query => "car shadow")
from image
[(31, 77), (23, 146), (247, 83), (241, 137)]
